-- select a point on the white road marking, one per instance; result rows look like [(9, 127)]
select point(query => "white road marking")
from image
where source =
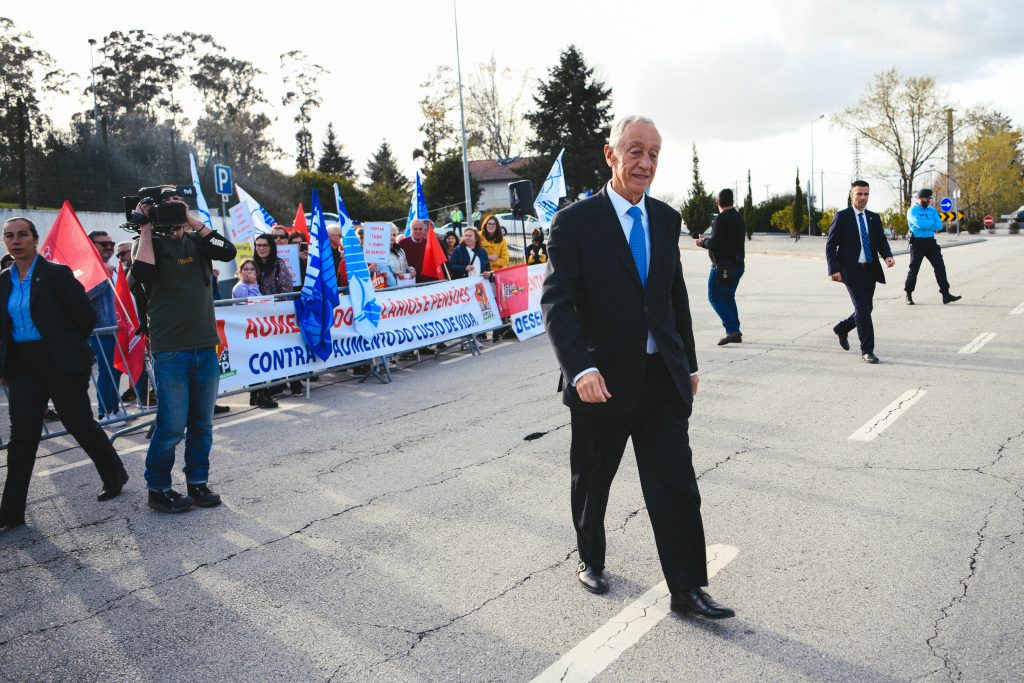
[(145, 446), (978, 342), (597, 651), (879, 423), (1018, 311)]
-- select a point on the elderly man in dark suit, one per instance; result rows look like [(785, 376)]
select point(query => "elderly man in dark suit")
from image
[(617, 314), (855, 243)]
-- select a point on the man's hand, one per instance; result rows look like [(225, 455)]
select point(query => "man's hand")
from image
[(890, 262), (698, 240), (836, 277), (592, 389)]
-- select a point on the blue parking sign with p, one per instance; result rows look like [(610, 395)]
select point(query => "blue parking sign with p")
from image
[(222, 179)]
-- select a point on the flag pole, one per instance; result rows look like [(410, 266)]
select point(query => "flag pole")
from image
[(462, 113)]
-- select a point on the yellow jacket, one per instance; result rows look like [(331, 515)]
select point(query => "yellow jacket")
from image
[(499, 249)]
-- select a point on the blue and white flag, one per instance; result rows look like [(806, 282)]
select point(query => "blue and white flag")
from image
[(262, 221), (314, 309), (417, 206), (550, 193), (343, 218), (204, 209), (365, 309)]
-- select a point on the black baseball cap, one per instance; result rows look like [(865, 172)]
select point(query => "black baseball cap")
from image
[(924, 193)]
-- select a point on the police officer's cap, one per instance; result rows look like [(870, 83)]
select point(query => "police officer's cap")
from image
[(924, 193)]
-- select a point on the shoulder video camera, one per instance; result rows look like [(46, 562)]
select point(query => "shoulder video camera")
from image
[(165, 215)]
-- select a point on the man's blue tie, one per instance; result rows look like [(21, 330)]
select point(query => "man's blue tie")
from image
[(638, 243), (864, 239)]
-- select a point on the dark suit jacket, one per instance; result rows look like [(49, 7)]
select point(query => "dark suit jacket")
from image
[(842, 248), (460, 258), (597, 312), (60, 311), (725, 243)]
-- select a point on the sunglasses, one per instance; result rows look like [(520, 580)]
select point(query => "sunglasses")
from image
[(123, 254), (104, 243)]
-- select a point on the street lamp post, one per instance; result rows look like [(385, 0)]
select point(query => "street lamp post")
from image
[(92, 70), (810, 202), (462, 116)]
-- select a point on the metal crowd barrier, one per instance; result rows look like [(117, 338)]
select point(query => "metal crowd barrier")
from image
[(126, 416)]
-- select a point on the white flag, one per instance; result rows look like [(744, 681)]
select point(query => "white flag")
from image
[(262, 221), (204, 209), (553, 190)]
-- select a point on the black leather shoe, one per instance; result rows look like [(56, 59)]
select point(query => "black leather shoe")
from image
[(844, 339), (203, 496), (731, 338), (169, 501), (948, 298), (591, 579), (698, 603), (220, 410), (910, 299), (870, 358), (6, 523), (114, 490), (265, 400)]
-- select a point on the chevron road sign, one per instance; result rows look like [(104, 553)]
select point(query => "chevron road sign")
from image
[(950, 216)]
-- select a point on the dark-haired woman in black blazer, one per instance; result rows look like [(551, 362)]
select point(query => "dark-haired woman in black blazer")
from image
[(45, 319)]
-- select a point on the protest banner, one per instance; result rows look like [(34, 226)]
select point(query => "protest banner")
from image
[(530, 322), (289, 253), (243, 251), (376, 242), (261, 342), (512, 290), (240, 227)]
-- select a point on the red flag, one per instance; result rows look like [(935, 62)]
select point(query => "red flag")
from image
[(433, 257), (512, 289), (131, 346), (67, 244), (300, 223)]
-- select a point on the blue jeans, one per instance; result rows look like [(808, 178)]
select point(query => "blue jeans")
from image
[(186, 390), (107, 377), (723, 300)]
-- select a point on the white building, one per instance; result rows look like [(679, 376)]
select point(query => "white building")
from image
[(494, 177)]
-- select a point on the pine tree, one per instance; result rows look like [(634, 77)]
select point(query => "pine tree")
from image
[(799, 210), (573, 111), (331, 158), (748, 208), (700, 206), (382, 169)]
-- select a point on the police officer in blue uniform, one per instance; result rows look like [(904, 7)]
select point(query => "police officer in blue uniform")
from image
[(924, 222)]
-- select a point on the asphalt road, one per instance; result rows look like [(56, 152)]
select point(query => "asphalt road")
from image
[(420, 531)]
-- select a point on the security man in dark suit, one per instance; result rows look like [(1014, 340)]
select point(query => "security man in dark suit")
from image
[(618, 317), (854, 245), (45, 319)]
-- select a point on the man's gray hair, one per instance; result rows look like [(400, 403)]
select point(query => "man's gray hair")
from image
[(619, 127)]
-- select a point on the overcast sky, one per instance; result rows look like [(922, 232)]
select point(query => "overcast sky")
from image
[(741, 80)]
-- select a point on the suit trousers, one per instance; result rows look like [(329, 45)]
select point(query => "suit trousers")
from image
[(921, 249), (34, 381), (861, 286), (658, 428)]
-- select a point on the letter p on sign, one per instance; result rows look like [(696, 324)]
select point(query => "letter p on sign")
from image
[(222, 179)]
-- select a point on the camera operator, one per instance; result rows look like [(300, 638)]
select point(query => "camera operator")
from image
[(175, 269)]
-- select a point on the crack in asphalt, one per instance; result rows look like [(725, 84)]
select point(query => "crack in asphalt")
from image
[(898, 406), (422, 635), (953, 672)]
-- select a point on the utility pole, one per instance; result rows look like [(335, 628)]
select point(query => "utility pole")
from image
[(462, 116), (951, 167)]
